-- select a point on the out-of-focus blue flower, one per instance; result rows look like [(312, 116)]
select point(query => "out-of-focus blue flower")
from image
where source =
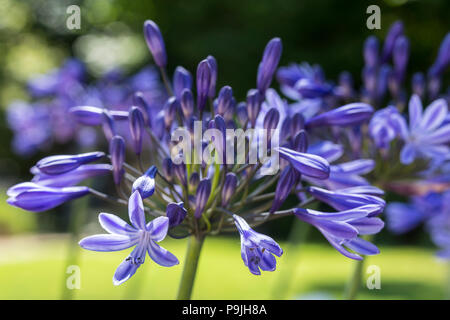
[(34, 197), (370, 51), (428, 135), (93, 116), (442, 59), (341, 229), (386, 125), (146, 184), (155, 43), (257, 250), (142, 236), (72, 177), (400, 57), (54, 165)]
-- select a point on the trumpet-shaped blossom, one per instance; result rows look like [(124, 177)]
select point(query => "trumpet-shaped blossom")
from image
[(257, 249), (342, 229), (143, 237)]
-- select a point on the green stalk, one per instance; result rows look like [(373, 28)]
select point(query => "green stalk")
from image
[(190, 267), (354, 282)]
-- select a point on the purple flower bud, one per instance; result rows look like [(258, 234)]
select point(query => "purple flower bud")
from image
[(140, 102), (297, 124), (443, 58), (395, 31), (187, 103), (159, 125), (310, 89), (271, 119), (349, 114), (288, 179), (36, 198), (301, 141), (179, 171), (307, 164), (203, 83), (93, 116), (136, 128), (241, 113), (202, 196), (155, 43), (224, 101), (346, 85), (418, 84), (253, 105), (108, 126), (346, 201), (400, 57), (371, 51), (182, 79), (145, 184), (194, 179), (73, 177), (167, 169), (268, 65), (286, 129), (176, 213), (212, 84), (117, 152), (170, 111), (229, 186), (55, 165)]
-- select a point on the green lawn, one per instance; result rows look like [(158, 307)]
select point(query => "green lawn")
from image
[(33, 268)]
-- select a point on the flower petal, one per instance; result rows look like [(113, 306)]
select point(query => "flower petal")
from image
[(408, 154), (267, 261), (113, 224), (136, 210), (124, 272), (161, 256), (434, 115), (108, 242), (415, 112), (367, 225), (362, 246), (158, 228), (339, 247)]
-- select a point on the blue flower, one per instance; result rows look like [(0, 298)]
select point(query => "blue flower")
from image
[(142, 236), (342, 229), (70, 178), (347, 115), (386, 125), (257, 250), (428, 133), (146, 184), (54, 165), (307, 164)]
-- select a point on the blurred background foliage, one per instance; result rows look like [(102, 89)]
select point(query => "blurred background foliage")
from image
[(34, 39)]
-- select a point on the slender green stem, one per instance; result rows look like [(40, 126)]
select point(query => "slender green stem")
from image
[(190, 267), (354, 283)]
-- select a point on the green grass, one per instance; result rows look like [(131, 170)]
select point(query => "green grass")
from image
[(33, 268)]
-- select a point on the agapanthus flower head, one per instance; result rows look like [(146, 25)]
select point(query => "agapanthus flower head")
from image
[(55, 165), (257, 249), (155, 43), (142, 236), (268, 64), (33, 197), (342, 228)]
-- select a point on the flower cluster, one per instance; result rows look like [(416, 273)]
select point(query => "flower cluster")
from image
[(323, 142)]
